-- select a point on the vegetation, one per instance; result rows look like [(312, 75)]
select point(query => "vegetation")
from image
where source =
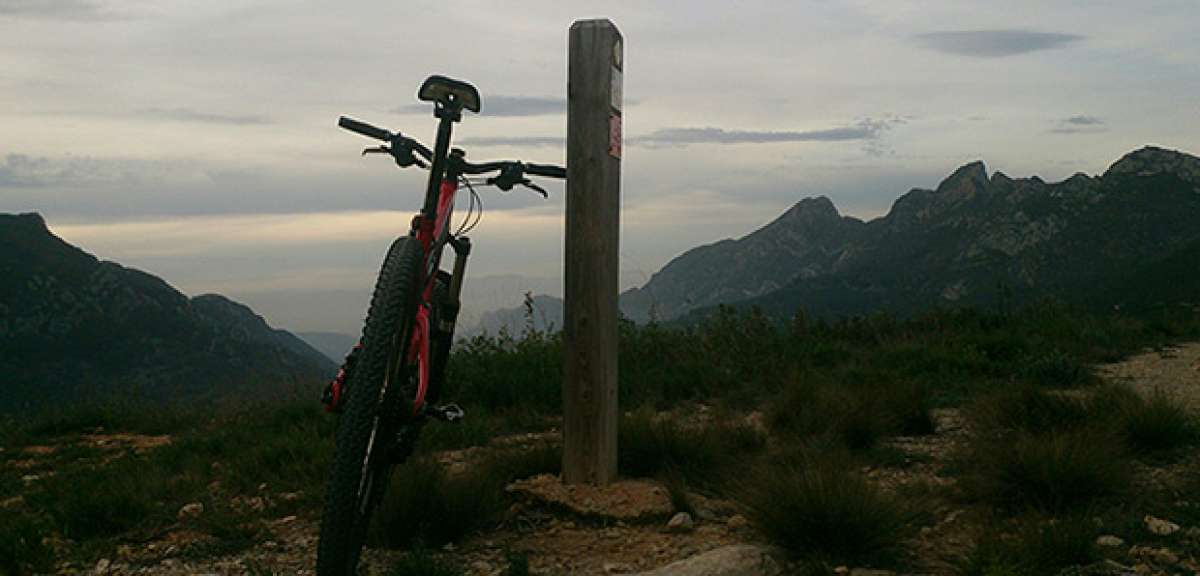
[(1047, 440), (815, 505), (1033, 546), (426, 504)]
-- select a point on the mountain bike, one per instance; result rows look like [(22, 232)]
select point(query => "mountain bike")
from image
[(390, 383)]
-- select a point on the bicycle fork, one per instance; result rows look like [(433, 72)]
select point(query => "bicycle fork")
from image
[(443, 331)]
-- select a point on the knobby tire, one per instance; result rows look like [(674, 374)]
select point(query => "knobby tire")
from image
[(389, 323)]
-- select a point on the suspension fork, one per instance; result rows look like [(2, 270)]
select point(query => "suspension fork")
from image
[(462, 250)]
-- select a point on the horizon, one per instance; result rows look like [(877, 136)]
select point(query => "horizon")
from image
[(211, 128)]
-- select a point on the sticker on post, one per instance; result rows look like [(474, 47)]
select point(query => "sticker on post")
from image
[(616, 89), (614, 136)]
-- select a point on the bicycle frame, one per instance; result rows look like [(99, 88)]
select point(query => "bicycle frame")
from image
[(432, 229)]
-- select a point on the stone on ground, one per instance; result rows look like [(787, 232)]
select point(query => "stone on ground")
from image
[(736, 560)]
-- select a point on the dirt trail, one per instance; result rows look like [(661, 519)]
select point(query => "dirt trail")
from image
[(1174, 371)]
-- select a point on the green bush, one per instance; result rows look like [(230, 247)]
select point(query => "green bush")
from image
[(1028, 408), (419, 562), (1056, 471), (130, 493), (652, 446), (21, 548), (1033, 547), (424, 503), (1056, 368), (858, 414), (1157, 424), (817, 507)]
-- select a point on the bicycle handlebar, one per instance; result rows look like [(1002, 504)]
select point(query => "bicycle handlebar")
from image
[(398, 139), (364, 129)]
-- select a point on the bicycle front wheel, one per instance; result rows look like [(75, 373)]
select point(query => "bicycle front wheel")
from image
[(369, 430)]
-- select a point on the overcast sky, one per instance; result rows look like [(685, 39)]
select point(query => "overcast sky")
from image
[(197, 140)]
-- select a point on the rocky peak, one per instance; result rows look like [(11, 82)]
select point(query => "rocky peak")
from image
[(816, 209), (970, 177), (1154, 160), (27, 221)]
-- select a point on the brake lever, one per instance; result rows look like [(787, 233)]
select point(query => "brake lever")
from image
[(400, 161), (528, 184)]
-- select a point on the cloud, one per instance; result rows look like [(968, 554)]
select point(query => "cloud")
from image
[(1080, 124), (994, 43), (74, 10), (502, 106), (21, 171), (529, 141), (864, 130), (189, 115)]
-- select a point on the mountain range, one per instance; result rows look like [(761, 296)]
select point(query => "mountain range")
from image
[(73, 327), (1127, 237)]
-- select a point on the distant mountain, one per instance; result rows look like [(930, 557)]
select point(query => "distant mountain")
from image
[(809, 240), (1127, 238), (74, 328), (541, 312), (334, 345), (1130, 237)]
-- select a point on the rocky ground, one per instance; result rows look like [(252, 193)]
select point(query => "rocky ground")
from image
[(631, 527)]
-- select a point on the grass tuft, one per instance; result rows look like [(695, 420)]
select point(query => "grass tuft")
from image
[(1157, 424), (1033, 548), (650, 445), (22, 550), (816, 507), (425, 503), (1056, 471), (419, 562)]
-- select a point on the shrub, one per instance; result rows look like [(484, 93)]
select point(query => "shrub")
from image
[(419, 562), (817, 507), (1056, 368), (129, 493), (653, 446), (1034, 548), (21, 548), (1055, 471), (1157, 424), (857, 414), (1030, 409), (424, 503)]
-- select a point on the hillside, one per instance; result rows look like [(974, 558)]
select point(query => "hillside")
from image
[(971, 241), (74, 328)]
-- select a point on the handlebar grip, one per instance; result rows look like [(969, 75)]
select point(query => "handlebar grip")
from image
[(364, 129), (546, 170)]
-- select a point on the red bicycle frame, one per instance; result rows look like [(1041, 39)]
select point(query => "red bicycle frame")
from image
[(431, 234)]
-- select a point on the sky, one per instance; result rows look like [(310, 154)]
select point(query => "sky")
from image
[(198, 140)]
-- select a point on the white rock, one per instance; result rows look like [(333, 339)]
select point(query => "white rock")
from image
[(736, 560), (1109, 541), (102, 567), (681, 522), (481, 567), (191, 510), (1160, 526)]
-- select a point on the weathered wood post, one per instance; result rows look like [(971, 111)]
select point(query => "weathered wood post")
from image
[(592, 231)]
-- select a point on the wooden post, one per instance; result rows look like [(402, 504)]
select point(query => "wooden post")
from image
[(590, 412)]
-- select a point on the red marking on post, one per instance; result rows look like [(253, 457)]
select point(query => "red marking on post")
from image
[(614, 136)]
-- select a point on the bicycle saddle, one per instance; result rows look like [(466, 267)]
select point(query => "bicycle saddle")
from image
[(440, 88)]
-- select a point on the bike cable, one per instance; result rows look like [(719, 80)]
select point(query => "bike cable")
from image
[(468, 224)]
